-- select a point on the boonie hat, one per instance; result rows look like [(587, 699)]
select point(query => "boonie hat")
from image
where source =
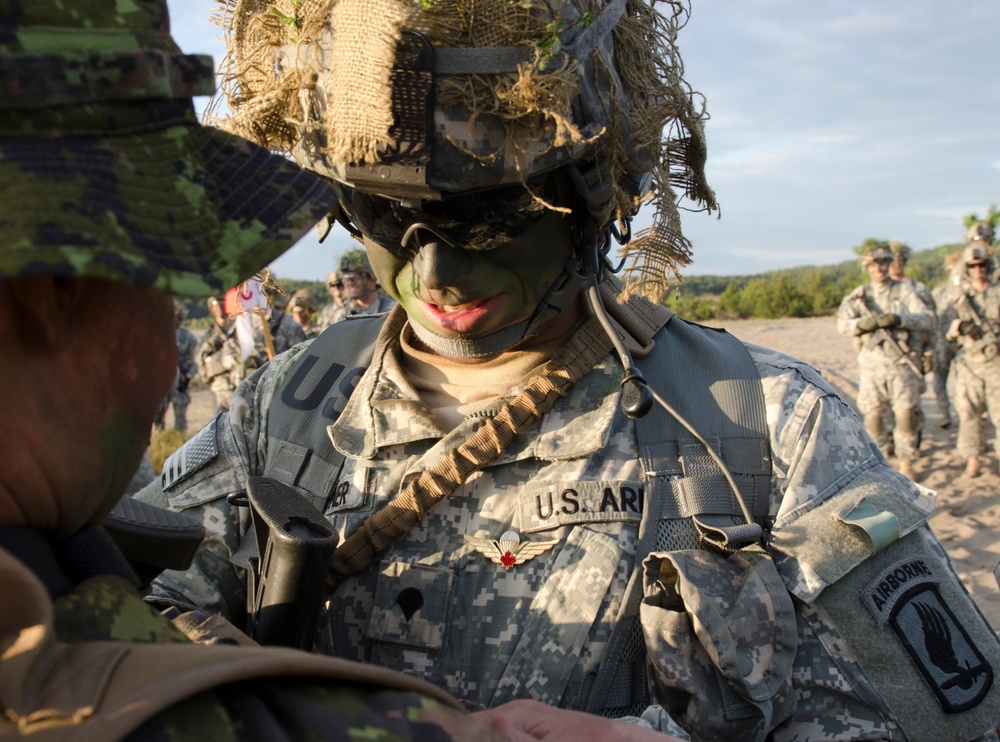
[(105, 171)]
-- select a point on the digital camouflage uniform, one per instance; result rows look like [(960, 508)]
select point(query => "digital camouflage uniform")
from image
[(574, 486), (285, 332), (976, 368), (106, 175), (888, 382), (944, 349), (187, 369), (221, 362), (333, 313)]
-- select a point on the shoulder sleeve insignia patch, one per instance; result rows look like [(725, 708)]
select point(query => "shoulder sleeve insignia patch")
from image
[(195, 453), (905, 597)]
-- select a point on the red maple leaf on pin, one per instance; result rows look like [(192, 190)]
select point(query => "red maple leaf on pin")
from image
[(508, 559)]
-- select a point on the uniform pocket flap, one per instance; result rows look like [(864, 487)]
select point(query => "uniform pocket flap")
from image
[(740, 611)]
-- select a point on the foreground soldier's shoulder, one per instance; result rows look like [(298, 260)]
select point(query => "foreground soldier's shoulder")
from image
[(778, 369)]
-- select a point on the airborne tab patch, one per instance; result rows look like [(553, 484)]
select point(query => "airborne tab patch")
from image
[(905, 596), (197, 451)]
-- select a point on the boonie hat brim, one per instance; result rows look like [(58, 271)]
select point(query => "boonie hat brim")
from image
[(185, 208)]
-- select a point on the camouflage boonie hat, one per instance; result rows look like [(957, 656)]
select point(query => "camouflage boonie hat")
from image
[(105, 171)]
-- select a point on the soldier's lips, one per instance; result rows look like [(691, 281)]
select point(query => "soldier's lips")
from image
[(461, 318)]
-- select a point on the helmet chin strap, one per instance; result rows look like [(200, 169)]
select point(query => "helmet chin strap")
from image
[(563, 290)]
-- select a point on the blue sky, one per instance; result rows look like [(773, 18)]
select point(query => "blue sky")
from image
[(831, 121)]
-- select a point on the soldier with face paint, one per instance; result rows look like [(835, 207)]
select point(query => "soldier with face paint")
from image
[(521, 524), (112, 199)]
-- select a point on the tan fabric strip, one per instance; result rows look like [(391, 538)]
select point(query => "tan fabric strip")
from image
[(585, 348)]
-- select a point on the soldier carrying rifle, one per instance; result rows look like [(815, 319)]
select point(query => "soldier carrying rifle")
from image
[(971, 320), (883, 316)]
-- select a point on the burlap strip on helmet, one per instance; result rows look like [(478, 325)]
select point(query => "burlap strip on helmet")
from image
[(585, 348)]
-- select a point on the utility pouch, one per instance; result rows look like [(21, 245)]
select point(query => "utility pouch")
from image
[(721, 638), (286, 576)]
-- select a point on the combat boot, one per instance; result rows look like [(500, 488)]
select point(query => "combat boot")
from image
[(972, 467)]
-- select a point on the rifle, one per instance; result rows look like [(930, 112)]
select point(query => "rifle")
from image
[(992, 348), (886, 336), (286, 577)]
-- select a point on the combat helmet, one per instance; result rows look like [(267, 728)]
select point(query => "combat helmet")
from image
[(979, 232), (105, 171), (900, 249), (977, 252), (418, 102), (356, 261), (302, 298), (873, 250)]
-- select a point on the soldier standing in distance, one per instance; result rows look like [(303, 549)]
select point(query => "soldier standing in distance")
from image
[(361, 290), (335, 287), (91, 251), (519, 526), (886, 317), (944, 349), (187, 369), (302, 307), (285, 331), (971, 319), (219, 356)]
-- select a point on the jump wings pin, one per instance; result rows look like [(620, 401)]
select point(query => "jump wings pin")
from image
[(509, 549)]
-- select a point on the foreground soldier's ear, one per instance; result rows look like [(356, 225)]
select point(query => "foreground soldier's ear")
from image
[(44, 310)]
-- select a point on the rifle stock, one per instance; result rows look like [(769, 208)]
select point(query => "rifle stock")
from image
[(287, 578)]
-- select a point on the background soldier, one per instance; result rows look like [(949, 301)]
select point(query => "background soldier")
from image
[(285, 331), (219, 355), (972, 320), (361, 290), (519, 521), (187, 369), (85, 279), (335, 286), (885, 316), (944, 349), (302, 307)]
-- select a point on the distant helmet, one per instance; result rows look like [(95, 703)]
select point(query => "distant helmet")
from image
[(900, 249), (356, 261), (979, 232), (180, 312), (977, 252), (419, 101), (302, 298), (875, 250)]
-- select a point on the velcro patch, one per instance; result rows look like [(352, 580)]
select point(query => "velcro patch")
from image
[(905, 596), (189, 458), (552, 504)]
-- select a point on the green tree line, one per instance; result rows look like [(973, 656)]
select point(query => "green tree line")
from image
[(807, 291)]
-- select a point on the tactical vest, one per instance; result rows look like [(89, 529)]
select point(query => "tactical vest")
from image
[(706, 374)]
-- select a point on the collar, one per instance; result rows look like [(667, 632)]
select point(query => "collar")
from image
[(386, 411)]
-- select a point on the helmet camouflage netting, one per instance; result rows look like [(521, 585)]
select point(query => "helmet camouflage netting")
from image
[(435, 97)]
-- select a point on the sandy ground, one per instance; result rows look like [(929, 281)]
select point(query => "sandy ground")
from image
[(968, 510)]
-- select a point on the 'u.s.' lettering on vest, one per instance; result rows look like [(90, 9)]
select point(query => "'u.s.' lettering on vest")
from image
[(548, 505), (905, 597)]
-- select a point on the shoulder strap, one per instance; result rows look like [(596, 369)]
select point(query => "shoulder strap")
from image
[(710, 378), (309, 399)]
